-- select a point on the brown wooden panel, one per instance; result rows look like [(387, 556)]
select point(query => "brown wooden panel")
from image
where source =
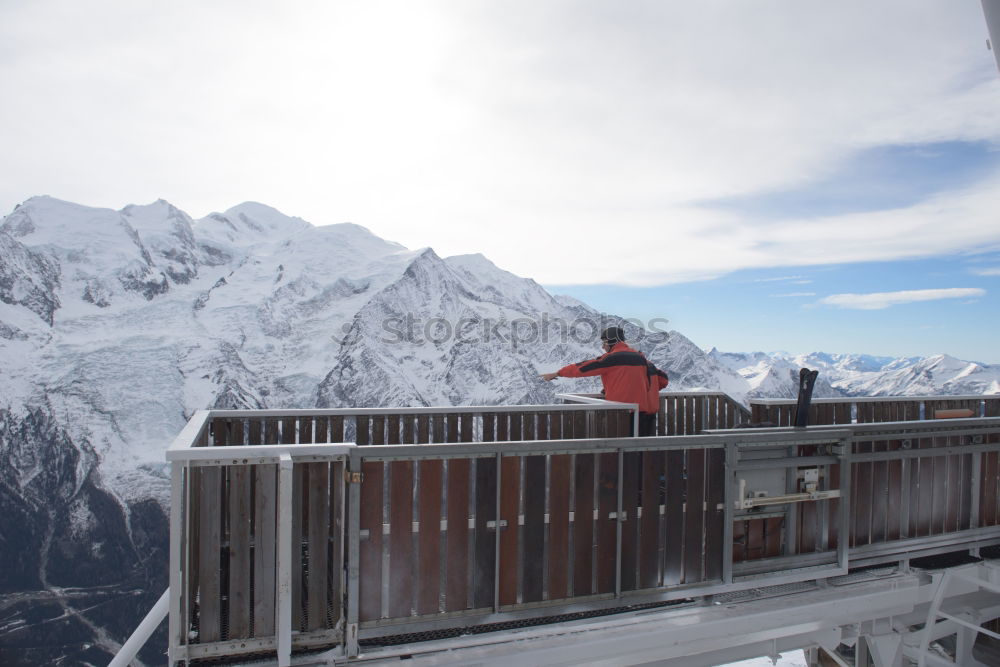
[(674, 519), (420, 427), (484, 573), (489, 427), (255, 432), (631, 489), (755, 546), (239, 551), (694, 528), (965, 513), (378, 429), (534, 528), (880, 494), (989, 489), (335, 572), (400, 538), (370, 556), (467, 429), (926, 499), (543, 428), (337, 429), (317, 477), (428, 579), (861, 498), (265, 541), (953, 493), (607, 526), (558, 551), (895, 493), (834, 505), (649, 524), (583, 524), (739, 541), (510, 499), (393, 430), (503, 424), (457, 558), (362, 435), (808, 512), (209, 529), (714, 513), (772, 536), (940, 498)]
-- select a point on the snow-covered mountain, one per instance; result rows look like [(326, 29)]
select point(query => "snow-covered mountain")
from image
[(863, 375), (115, 326)]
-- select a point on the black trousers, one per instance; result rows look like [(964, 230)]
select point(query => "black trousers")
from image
[(647, 424)]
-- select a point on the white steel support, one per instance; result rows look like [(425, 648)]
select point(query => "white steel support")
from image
[(176, 640), (283, 611)]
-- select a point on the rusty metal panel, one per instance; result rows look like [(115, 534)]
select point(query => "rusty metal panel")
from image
[(649, 526), (714, 513), (400, 538), (317, 479), (607, 524), (631, 488), (558, 550), (674, 518), (583, 524), (533, 564), (370, 556), (457, 581), (510, 499), (694, 517), (484, 573), (428, 581)]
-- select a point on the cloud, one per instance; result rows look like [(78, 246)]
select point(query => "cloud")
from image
[(793, 294), (508, 128), (882, 300), (994, 271)]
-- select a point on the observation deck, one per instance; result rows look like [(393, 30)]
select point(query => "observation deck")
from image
[(545, 534)]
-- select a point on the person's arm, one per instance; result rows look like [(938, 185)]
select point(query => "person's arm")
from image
[(579, 370)]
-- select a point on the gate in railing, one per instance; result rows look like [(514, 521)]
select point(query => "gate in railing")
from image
[(439, 519)]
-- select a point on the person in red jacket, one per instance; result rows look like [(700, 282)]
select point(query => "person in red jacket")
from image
[(627, 375)]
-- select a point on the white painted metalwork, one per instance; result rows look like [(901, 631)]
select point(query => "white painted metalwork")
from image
[(146, 628), (754, 451)]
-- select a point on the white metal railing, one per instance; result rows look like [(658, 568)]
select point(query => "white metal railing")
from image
[(746, 456)]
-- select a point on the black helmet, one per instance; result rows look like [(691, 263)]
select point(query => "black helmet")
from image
[(613, 335)]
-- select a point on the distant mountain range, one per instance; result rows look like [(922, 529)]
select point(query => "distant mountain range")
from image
[(115, 326)]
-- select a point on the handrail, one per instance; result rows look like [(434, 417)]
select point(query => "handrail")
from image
[(364, 502), (876, 399), (126, 654)]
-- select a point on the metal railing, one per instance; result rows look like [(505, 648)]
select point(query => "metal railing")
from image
[(282, 538)]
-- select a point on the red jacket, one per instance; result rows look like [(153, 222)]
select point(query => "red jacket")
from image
[(627, 377)]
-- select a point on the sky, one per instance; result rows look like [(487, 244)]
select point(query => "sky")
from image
[(795, 175)]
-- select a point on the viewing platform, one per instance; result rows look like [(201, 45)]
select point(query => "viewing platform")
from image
[(546, 535)]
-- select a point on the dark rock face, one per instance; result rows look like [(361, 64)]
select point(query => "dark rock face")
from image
[(78, 565), (28, 278)]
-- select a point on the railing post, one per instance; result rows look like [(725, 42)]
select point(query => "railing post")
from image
[(179, 573), (729, 512), (844, 520), (351, 648), (283, 612)]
